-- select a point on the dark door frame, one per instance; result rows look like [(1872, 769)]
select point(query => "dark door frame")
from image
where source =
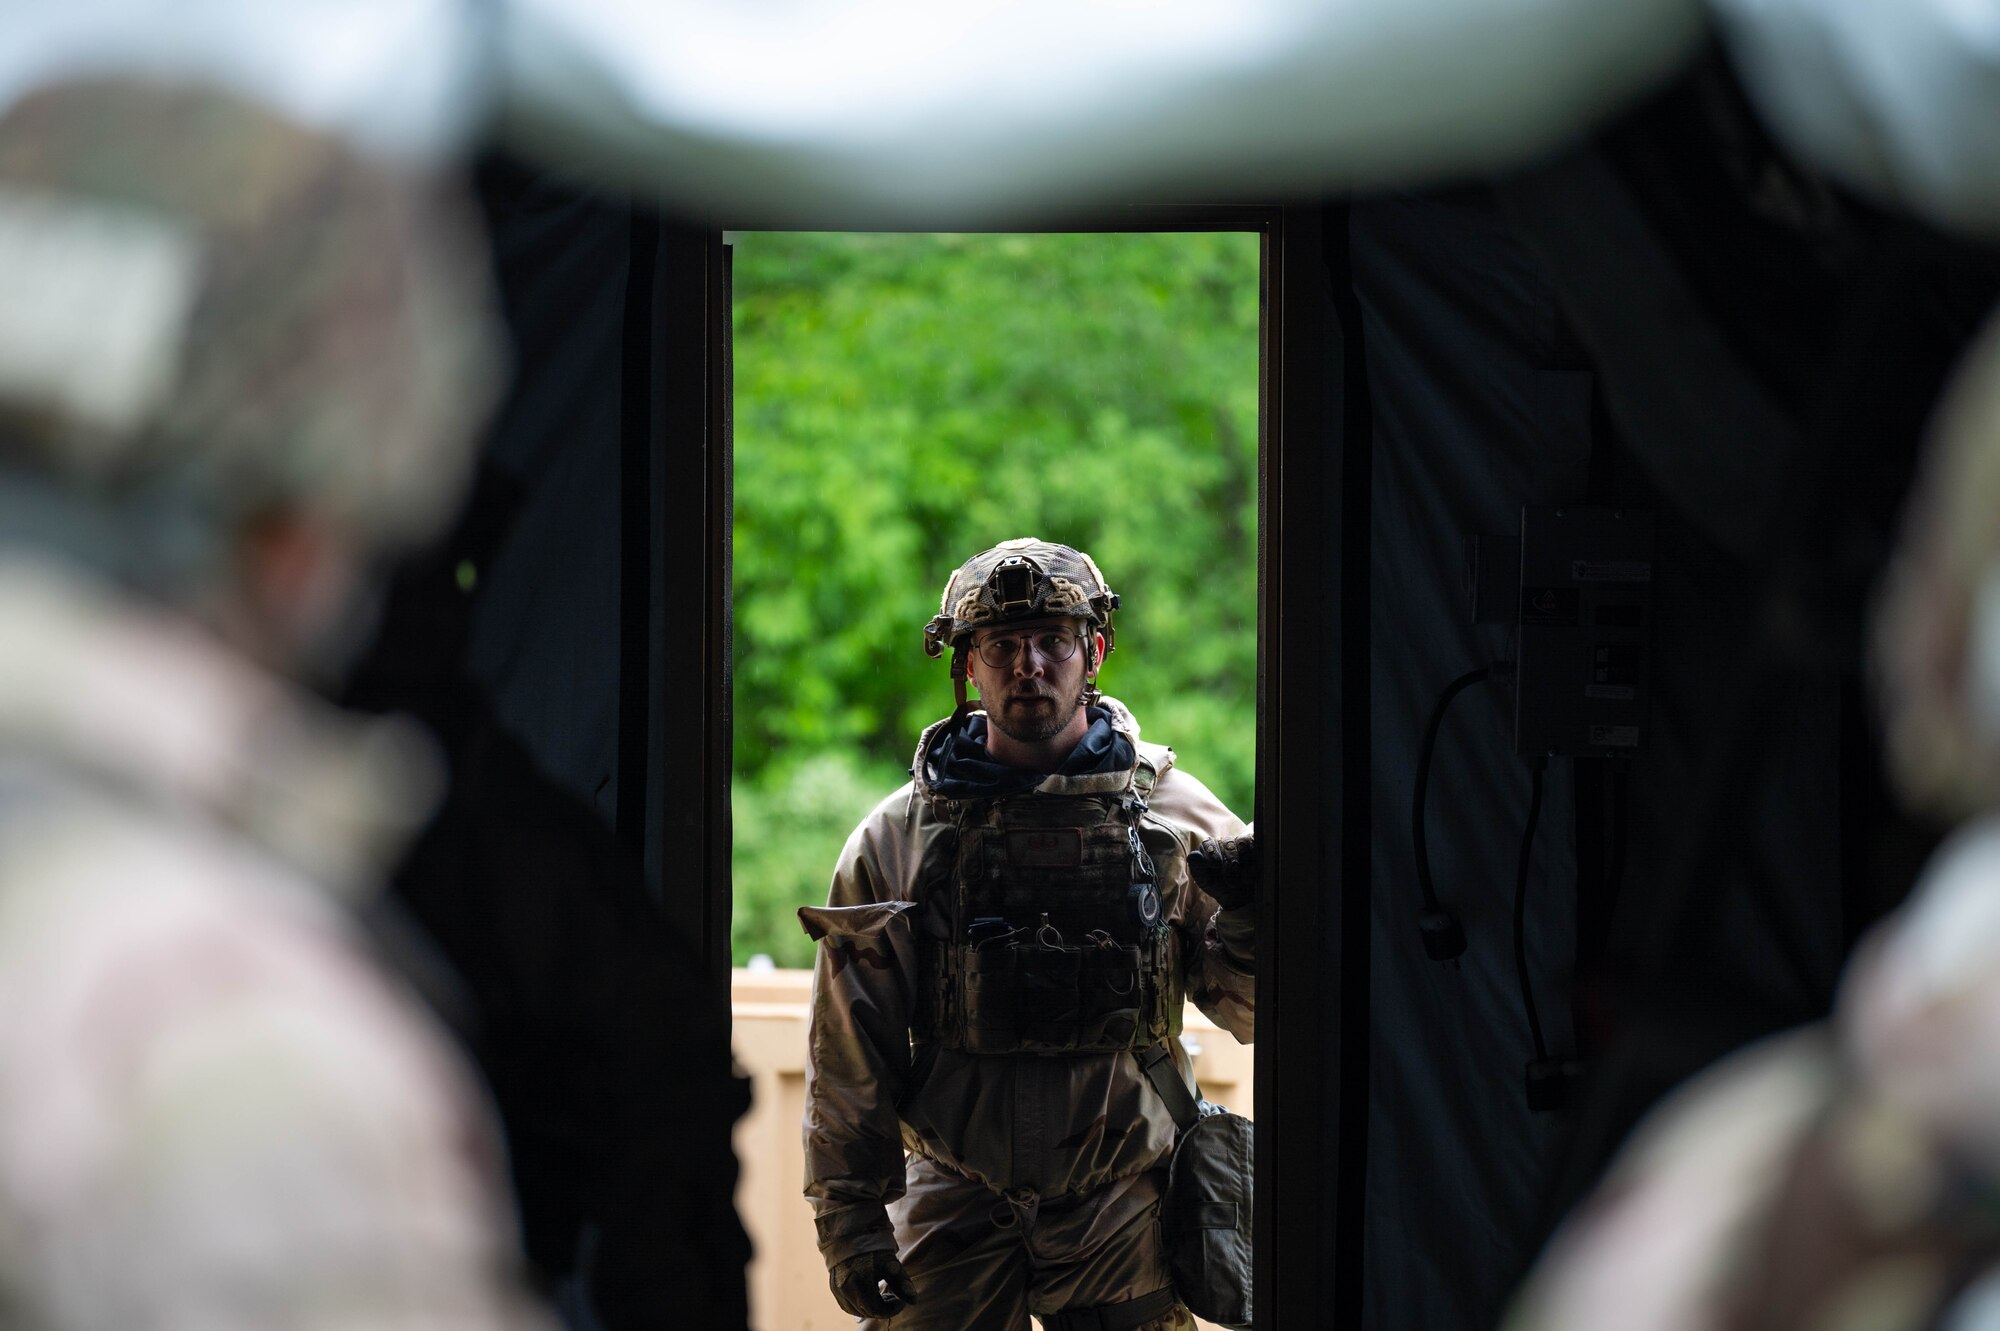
[(1311, 703)]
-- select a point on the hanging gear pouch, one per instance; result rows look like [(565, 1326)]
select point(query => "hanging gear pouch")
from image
[(1206, 1210), (1205, 1217)]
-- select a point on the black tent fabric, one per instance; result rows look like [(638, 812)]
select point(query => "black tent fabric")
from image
[(1674, 317), (596, 1027), (1479, 407), (544, 631)]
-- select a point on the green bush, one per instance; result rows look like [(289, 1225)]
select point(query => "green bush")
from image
[(904, 401)]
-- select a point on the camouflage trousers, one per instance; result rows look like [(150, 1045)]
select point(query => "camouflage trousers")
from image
[(982, 1262)]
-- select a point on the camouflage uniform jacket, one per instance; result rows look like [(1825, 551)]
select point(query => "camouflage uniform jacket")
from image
[(214, 1112), (1054, 1127)]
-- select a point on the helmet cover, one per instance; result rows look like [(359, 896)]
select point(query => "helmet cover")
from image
[(1021, 579), (213, 310)]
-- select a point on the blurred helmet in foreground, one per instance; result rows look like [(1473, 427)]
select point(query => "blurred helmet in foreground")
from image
[(210, 314), (1938, 633)]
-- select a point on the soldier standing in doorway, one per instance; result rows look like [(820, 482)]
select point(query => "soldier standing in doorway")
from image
[(1008, 943)]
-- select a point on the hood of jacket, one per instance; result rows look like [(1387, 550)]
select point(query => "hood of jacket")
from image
[(950, 764)]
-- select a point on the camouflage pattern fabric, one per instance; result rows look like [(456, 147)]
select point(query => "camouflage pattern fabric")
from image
[(216, 312), (1072, 1135), (979, 1262), (1937, 640), (1068, 583), (214, 1112), (1670, 1231), (1843, 1177)]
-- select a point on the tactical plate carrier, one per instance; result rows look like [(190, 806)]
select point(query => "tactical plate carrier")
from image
[(1049, 936)]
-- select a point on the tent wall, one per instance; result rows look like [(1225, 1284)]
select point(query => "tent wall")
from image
[(546, 616), (1669, 316), (1480, 405), (536, 642), (1482, 401)]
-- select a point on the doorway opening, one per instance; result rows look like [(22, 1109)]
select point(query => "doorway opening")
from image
[(904, 400), (900, 401)]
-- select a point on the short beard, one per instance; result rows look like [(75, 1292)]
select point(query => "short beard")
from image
[(1039, 728)]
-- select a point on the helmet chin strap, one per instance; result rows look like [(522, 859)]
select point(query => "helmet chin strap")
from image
[(958, 671)]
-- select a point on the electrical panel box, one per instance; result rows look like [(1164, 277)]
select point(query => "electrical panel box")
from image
[(1584, 622)]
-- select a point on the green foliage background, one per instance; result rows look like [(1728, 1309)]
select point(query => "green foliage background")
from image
[(903, 401)]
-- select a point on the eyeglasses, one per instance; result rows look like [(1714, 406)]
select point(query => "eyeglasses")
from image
[(1053, 645)]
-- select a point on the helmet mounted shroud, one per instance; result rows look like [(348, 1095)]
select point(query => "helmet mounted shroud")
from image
[(1021, 579)]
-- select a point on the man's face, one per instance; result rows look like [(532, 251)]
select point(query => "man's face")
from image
[(1034, 696)]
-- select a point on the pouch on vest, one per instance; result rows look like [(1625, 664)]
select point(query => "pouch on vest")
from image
[(1032, 997), (1055, 943)]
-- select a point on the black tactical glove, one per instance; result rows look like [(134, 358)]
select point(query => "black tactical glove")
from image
[(858, 1285), (1227, 869)]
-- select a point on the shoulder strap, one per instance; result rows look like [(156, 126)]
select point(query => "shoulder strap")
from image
[(1158, 1065)]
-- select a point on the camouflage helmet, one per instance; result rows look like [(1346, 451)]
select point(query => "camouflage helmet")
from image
[(213, 314), (1024, 578)]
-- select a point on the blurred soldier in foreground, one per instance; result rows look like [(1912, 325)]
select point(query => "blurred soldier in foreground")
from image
[(1849, 1176), (236, 366), (1028, 912)]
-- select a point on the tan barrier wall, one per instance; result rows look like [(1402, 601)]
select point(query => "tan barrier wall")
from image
[(787, 1280)]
